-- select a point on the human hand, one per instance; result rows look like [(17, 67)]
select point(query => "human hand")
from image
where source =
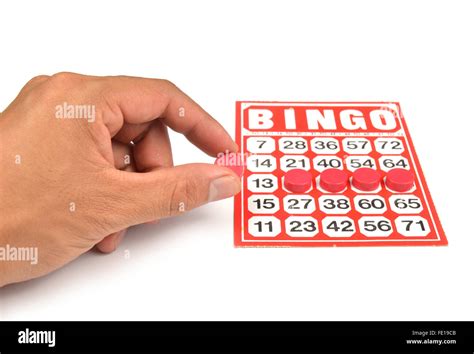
[(61, 190)]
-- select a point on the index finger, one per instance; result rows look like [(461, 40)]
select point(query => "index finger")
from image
[(136, 100)]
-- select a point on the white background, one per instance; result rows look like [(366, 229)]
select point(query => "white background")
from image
[(417, 53)]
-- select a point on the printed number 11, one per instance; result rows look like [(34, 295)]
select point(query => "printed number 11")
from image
[(260, 226)]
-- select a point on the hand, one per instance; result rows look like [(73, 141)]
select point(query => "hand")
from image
[(61, 191)]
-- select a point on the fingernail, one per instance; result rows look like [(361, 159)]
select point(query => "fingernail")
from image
[(223, 187)]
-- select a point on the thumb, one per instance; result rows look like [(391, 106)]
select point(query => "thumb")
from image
[(166, 191)]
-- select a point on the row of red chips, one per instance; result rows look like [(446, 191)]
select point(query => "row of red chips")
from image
[(332, 180)]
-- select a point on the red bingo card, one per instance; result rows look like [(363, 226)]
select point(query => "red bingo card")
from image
[(330, 174)]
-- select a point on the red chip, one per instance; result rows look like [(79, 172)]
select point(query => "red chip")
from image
[(297, 180), (234, 161), (366, 179), (333, 180), (400, 180)]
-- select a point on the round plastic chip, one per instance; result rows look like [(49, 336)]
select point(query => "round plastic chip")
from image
[(366, 179), (400, 180), (333, 180), (297, 180)]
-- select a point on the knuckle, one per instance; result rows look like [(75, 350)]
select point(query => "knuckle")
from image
[(64, 76), (64, 79), (37, 91), (37, 80), (167, 84), (184, 195), (32, 84), (108, 212), (59, 85), (108, 207)]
